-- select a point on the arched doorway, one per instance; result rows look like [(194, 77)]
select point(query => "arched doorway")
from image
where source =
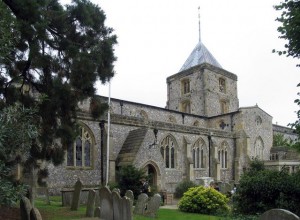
[(152, 174)]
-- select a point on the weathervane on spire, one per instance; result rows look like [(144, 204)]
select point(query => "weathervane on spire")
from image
[(199, 24)]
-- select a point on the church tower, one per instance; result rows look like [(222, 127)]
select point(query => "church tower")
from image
[(202, 86)]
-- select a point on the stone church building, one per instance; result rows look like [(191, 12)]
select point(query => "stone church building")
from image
[(202, 132)]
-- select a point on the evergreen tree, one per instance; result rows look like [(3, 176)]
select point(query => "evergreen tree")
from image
[(58, 54), (18, 129)]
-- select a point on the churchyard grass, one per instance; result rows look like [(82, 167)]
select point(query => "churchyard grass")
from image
[(171, 214), (55, 211)]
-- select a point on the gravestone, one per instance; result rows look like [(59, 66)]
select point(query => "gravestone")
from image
[(126, 209), (116, 190), (90, 206), (25, 208), (106, 203), (76, 195), (278, 214), (117, 205), (35, 214), (141, 204), (97, 200), (153, 206), (97, 212), (130, 196)]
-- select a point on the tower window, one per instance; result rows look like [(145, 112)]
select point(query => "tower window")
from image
[(185, 84), (222, 85), (224, 107)]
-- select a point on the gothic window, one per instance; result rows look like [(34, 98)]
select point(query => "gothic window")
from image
[(259, 149), (222, 85), (224, 106), (198, 154), (167, 151), (80, 152), (258, 120), (185, 86), (186, 107), (223, 155)]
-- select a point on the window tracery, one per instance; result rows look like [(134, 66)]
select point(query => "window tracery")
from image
[(79, 154)]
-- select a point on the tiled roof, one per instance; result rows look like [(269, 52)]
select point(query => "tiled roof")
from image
[(200, 55)]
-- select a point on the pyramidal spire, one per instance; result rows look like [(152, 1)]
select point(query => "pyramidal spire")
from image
[(199, 24), (200, 54)]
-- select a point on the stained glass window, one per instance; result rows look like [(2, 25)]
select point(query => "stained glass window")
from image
[(80, 153)]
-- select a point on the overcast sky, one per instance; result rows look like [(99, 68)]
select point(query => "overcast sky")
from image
[(155, 37)]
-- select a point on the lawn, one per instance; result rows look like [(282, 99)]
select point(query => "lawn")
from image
[(56, 212)]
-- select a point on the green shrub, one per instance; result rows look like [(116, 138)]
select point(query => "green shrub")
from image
[(203, 200), (182, 187), (129, 179)]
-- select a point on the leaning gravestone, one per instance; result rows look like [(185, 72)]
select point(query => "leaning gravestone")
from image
[(35, 214), (117, 205), (106, 204), (278, 214), (76, 195), (90, 206), (25, 208), (126, 209), (141, 204), (153, 205)]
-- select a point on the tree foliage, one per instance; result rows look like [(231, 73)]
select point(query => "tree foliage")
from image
[(290, 28), (182, 187), (18, 130), (57, 55), (8, 33), (260, 190), (280, 141), (129, 178)]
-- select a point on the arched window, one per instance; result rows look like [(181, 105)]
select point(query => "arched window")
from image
[(79, 154), (223, 155), (258, 120), (198, 154), (259, 149), (168, 152), (185, 86)]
